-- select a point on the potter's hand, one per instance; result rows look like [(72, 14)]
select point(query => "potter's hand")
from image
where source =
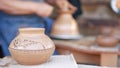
[(61, 4), (118, 4), (25, 7), (44, 10)]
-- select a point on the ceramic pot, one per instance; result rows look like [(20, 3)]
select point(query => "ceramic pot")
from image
[(31, 46), (106, 41), (65, 25)]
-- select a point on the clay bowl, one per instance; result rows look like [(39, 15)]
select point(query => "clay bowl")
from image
[(31, 57), (106, 41)]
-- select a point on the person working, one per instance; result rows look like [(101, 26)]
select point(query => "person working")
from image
[(15, 14)]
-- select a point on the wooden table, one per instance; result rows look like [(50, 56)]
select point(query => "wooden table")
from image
[(89, 54), (67, 60)]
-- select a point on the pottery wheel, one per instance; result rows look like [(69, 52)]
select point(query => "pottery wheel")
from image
[(67, 37)]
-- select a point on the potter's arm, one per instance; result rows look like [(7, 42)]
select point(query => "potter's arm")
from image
[(25, 7)]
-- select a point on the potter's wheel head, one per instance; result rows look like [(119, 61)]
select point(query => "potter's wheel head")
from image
[(67, 37)]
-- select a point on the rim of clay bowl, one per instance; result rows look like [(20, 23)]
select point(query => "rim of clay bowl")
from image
[(30, 28)]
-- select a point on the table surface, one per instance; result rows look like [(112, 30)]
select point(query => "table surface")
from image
[(7, 59), (91, 49)]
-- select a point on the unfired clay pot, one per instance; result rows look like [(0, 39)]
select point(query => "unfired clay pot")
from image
[(65, 25), (106, 41), (31, 46)]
